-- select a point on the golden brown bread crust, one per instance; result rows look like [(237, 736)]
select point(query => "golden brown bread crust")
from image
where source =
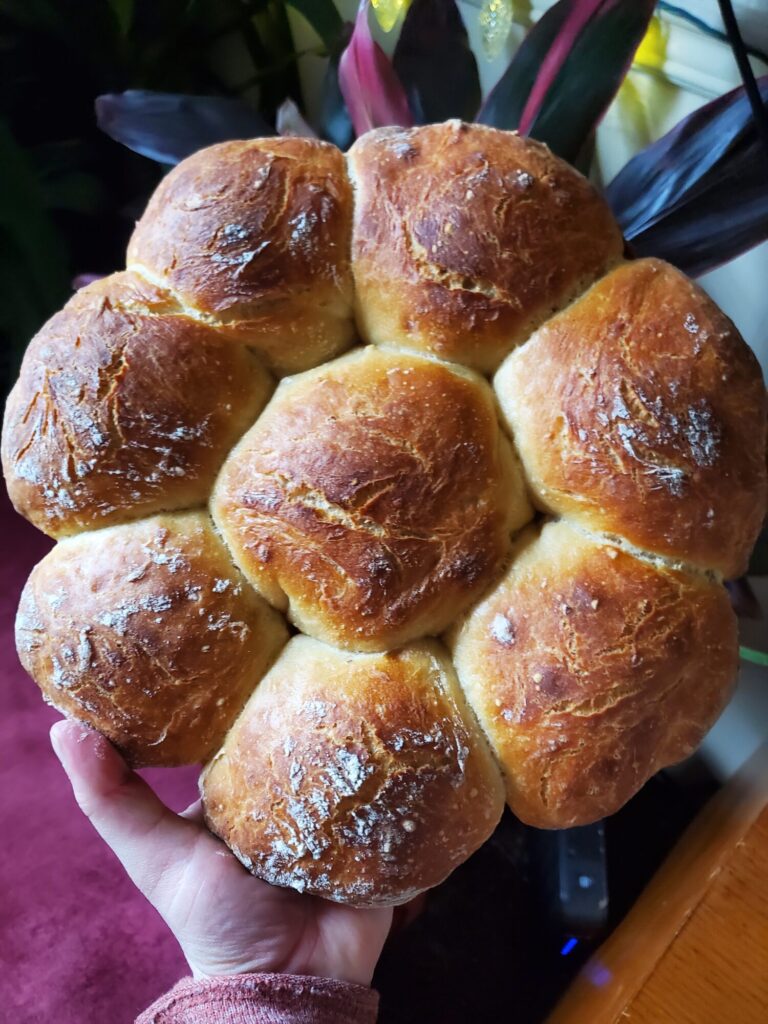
[(373, 499), (114, 415), (362, 778), (466, 238), (640, 411), (590, 670), (149, 634), (255, 236)]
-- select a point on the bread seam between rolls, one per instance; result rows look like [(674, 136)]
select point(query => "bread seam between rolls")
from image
[(643, 554), (130, 521)]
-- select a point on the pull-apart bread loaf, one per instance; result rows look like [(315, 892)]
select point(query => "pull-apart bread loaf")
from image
[(414, 405)]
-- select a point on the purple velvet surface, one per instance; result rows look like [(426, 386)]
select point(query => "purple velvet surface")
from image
[(78, 943)]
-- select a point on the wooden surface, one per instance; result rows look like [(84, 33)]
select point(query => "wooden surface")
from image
[(717, 969), (694, 948)]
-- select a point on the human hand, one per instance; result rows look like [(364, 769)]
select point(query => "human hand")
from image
[(225, 920)]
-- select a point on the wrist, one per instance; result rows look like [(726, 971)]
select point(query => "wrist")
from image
[(263, 997)]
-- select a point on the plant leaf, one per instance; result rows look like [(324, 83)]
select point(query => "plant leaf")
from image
[(504, 104), (371, 89), (568, 70), (83, 280), (33, 260), (577, 16), (698, 196), (583, 87), (167, 127), (756, 657), (123, 11), (323, 17), (433, 61), (743, 599), (758, 563), (76, 191), (290, 121), (712, 229), (334, 123)]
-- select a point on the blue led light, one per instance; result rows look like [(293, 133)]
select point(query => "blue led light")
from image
[(568, 946)]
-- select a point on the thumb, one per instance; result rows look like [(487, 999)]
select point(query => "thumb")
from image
[(148, 839)]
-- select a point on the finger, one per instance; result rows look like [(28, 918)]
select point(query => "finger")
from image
[(194, 812), (148, 838)]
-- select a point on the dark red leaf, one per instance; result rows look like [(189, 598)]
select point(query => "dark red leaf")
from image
[(568, 70), (758, 563), (371, 89), (167, 127), (578, 15), (433, 61), (504, 104), (699, 195), (743, 599), (83, 280)]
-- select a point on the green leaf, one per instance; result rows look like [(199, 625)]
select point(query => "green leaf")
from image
[(281, 77), (323, 17), (76, 191), (34, 266), (86, 32), (23, 218), (756, 657), (37, 15), (123, 11)]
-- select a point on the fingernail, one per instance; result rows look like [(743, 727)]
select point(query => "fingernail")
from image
[(61, 730)]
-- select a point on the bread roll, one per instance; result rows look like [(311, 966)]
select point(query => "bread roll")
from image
[(466, 238), (362, 778), (373, 499), (640, 411), (148, 633), (590, 670), (123, 409), (254, 237)]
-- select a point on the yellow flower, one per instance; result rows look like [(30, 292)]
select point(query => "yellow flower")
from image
[(389, 12)]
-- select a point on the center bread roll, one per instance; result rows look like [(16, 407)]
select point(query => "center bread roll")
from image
[(362, 778), (373, 499)]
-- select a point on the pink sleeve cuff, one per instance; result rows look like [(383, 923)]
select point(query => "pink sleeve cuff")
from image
[(264, 999)]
